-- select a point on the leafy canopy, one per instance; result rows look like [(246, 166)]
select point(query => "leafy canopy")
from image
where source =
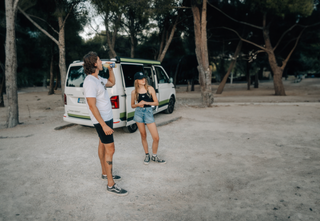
[(283, 7)]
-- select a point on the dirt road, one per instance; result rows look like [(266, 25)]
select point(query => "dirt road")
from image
[(234, 161)]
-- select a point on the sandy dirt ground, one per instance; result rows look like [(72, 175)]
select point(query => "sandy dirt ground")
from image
[(252, 156)]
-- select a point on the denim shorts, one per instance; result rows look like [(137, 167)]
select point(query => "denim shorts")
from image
[(143, 115)]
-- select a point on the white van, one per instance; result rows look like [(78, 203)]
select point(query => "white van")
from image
[(120, 94)]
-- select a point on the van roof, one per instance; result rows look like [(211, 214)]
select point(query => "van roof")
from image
[(131, 60), (137, 60)]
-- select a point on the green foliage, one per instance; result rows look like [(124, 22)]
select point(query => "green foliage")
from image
[(282, 7), (148, 19), (34, 49)]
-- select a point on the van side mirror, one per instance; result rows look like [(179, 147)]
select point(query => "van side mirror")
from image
[(171, 80)]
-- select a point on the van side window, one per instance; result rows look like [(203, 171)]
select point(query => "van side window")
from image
[(161, 75), (128, 72), (148, 73), (76, 76)]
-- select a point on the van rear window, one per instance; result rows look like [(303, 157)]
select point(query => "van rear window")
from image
[(128, 71), (76, 76)]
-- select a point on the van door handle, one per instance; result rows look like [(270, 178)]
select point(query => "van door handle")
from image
[(123, 95)]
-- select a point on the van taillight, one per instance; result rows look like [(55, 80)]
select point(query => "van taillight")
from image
[(115, 102), (65, 99)]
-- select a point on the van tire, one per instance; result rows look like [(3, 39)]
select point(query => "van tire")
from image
[(131, 128), (170, 107)]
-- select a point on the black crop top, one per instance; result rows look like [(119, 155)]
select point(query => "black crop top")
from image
[(146, 98)]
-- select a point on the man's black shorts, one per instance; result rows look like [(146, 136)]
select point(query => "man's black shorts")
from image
[(103, 137)]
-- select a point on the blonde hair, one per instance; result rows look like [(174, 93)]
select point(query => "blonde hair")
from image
[(136, 87)]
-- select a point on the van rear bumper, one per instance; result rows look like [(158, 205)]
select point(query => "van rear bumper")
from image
[(87, 122)]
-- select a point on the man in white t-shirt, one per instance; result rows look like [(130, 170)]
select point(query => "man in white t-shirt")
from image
[(100, 111)]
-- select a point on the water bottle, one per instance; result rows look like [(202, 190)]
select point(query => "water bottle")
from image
[(112, 65)]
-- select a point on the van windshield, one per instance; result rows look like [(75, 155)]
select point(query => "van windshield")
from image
[(128, 71), (76, 76)]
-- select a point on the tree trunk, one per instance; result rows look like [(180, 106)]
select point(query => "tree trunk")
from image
[(62, 56), (232, 64), (132, 39), (51, 91), (176, 73), (11, 64), (205, 75), (44, 80), (60, 43), (248, 76), (2, 85), (163, 39), (277, 71), (277, 81), (192, 84), (163, 52), (57, 80), (256, 80), (188, 83), (1, 92), (111, 40)]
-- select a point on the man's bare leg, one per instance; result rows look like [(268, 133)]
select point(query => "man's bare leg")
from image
[(109, 151), (102, 157)]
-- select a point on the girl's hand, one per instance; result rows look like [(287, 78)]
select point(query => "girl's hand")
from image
[(141, 103)]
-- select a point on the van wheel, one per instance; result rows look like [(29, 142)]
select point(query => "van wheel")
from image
[(131, 128), (170, 107)]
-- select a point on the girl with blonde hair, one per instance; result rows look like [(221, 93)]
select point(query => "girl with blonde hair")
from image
[(143, 97)]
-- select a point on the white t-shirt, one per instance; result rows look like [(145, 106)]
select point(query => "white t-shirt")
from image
[(94, 87)]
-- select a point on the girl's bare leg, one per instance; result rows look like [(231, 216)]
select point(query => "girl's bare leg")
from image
[(155, 136), (143, 134)]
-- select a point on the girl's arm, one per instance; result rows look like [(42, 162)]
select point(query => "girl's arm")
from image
[(154, 97), (133, 101)]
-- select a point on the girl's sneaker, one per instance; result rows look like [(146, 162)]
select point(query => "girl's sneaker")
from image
[(147, 159), (157, 160)]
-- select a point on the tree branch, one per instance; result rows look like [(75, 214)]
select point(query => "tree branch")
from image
[(96, 30), (15, 4), (45, 22), (241, 22), (308, 26), (296, 43), (38, 26), (65, 19), (245, 40), (274, 48), (260, 51), (182, 7), (294, 47), (289, 42), (169, 38), (303, 26)]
